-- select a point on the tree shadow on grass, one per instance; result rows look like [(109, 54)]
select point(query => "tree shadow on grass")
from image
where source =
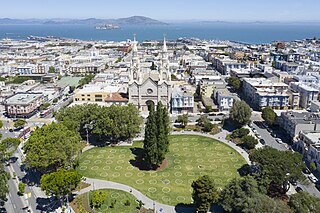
[(139, 161), (184, 208)]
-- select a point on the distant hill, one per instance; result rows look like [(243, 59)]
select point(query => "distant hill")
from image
[(134, 20)]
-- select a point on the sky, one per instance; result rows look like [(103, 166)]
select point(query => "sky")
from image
[(166, 10)]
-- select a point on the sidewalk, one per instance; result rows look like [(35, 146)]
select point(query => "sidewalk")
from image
[(148, 203)]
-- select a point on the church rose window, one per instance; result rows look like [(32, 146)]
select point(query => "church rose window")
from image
[(149, 91)]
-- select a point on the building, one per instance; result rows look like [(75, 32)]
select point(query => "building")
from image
[(295, 122), (308, 144), (307, 93), (23, 105), (182, 101), (149, 86), (94, 93), (263, 92), (224, 99), (225, 64)]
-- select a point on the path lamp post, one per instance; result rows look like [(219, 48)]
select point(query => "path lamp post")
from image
[(87, 127)]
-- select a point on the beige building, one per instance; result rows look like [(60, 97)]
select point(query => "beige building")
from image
[(93, 93), (147, 86), (23, 105)]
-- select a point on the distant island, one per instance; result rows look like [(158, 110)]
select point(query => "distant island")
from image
[(133, 20)]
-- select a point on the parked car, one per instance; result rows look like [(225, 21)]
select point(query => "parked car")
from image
[(293, 182), (262, 141), (306, 171), (299, 189), (273, 134), (278, 140), (313, 179), (318, 186), (258, 136)]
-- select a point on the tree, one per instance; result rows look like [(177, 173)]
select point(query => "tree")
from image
[(207, 127), (279, 166), (44, 106), (52, 147), (269, 115), (19, 123), (7, 147), (150, 138), (161, 143), (240, 113), (4, 188), (239, 133), (204, 193), (313, 166), (166, 125), (60, 183), (98, 198), (249, 142), (21, 188), (55, 100), (1, 124), (183, 119), (52, 69), (202, 120), (303, 202), (234, 196), (235, 83), (156, 142), (86, 80), (112, 123)]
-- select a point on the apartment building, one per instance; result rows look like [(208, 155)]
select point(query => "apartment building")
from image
[(182, 101), (23, 105), (295, 122), (263, 92)]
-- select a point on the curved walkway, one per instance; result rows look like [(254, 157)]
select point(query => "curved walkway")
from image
[(148, 203)]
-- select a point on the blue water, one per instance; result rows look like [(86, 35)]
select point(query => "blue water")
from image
[(242, 32)]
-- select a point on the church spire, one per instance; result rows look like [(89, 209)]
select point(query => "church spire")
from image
[(164, 48), (135, 72), (164, 70)]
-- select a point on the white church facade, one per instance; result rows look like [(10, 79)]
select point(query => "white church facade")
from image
[(149, 85)]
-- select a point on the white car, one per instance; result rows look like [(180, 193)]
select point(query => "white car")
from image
[(258, 136), (254, 130), (313, 179), (278, 140)]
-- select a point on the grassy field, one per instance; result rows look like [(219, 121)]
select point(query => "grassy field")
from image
[(190, 156), (119, 198)]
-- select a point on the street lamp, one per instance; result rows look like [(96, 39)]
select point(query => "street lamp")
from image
[(87, 126)]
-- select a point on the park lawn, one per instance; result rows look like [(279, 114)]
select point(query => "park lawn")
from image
[(190, 157), (119, 198)]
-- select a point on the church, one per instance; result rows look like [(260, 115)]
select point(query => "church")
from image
[(149, 86)]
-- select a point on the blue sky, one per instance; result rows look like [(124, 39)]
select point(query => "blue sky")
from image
[(226, 10)]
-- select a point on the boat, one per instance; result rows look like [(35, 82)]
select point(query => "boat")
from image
[(107, 27)]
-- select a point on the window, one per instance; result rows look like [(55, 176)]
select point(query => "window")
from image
[(99, 100), (83, 99), (98, 96), (149, 91)]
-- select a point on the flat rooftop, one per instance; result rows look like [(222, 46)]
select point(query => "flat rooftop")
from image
[(22, 98)]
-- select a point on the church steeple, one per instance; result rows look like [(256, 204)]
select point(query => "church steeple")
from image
[(164, 70), (135, 72)]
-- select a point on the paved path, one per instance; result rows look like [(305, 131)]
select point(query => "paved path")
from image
[(148, 203)]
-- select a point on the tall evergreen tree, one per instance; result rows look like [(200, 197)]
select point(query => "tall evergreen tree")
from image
[(166, 125), (150, 138), (161, 139)]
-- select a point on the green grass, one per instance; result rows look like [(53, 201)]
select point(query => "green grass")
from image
[(190, 157), (120, 197)]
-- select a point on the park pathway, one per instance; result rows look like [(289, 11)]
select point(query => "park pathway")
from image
[(149, 203)]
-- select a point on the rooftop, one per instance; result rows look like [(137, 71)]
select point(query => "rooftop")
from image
[(23, 98)]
